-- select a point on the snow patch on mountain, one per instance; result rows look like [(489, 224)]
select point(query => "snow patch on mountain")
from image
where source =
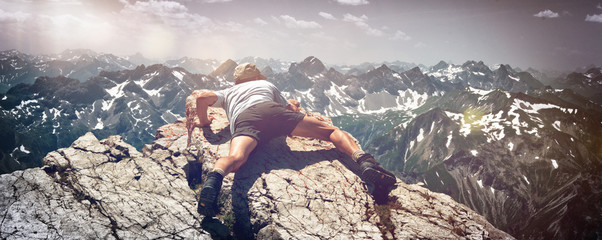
[(55, 113), (446, 74), (178, 74), (117, 90), (474, 152), (24, 150), (106, 105), (526, 180), (153, 92), (534, 108), (554, 163), (479, 91), (556, 125), (523, 117), (99, 124), (420, 135), (145, 79), (410, 99), (449, 139)]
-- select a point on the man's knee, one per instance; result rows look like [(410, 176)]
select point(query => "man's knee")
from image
[(326, 132), (237, 160), (311, 127), (237, 157)]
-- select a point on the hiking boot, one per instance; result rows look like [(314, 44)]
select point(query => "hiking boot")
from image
[(208, 200), (373, 173)]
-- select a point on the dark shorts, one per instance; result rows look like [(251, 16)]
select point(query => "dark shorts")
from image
[(265, 121)]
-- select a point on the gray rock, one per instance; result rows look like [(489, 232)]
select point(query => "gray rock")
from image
[(300, 188), (291, 188), (99, 190)]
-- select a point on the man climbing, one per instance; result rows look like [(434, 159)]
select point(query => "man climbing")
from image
[(258, 112)]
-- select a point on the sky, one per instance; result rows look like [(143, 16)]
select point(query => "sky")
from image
[(544, 34)]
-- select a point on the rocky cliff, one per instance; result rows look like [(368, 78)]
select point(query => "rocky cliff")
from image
[(293, 188)]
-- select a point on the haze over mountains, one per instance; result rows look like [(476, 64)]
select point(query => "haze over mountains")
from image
[(519, 147)]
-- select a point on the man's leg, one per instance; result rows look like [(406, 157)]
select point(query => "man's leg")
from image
[(314, 128), (371, 171), (240, 149)]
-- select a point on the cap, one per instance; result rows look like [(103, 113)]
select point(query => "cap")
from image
[(246, 72)]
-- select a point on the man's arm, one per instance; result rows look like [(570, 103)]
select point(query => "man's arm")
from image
[(202, 104)]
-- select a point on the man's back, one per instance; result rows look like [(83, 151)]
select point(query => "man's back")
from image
[(241, 96)]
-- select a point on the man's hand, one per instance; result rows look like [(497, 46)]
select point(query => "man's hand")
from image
[(294, 105), (196, 111), (199, 123), (202, 103)]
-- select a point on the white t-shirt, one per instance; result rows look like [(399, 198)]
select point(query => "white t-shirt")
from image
[(239, 97)]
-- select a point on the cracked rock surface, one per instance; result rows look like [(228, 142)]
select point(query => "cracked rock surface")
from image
[(291, 188), (99, 190)]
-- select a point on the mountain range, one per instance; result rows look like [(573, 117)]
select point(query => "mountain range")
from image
[(17, 67), (529, 163), (588, 83), (524, 155), (134, 102)]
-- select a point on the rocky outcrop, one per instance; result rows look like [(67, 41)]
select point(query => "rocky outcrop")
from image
[(99, 190), (291, 188)]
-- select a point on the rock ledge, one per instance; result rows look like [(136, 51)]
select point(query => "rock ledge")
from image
[(291, 188)]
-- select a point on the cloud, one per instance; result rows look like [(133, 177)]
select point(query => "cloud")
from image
[(43, 32), (323, 37), (6, 17), (168, 13), (599, 6), (594, 18), (291, 22), (56, 2), (158, 29), (547, 14), (157, 7), (399, 35), (163, 28), (351, 18), (420, 45), (353, 2), (260, 21), (361, 23), (327, 16), (216, 1)]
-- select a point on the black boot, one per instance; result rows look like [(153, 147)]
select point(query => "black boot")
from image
[(373, 173), (208, 200)]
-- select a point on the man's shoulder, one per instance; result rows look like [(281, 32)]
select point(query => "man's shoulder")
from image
[(268, 83), (257, 83), (261, 82)]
